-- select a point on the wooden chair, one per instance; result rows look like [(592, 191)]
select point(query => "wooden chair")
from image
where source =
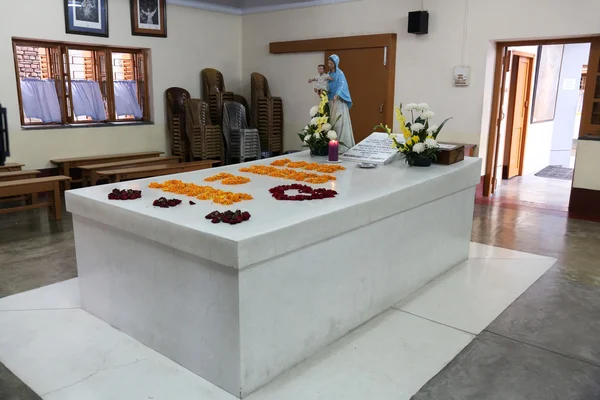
[(66, 164), (32, 187), (89, 173), (147, 171), (241, 142), (176, 124), (206, 139), (267, 113)]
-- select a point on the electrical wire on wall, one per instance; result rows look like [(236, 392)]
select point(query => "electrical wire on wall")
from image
[(463, 59)]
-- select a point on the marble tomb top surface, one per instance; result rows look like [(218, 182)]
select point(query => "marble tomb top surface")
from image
[(276, 227)]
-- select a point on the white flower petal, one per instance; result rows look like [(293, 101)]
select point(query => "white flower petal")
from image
[(423, 106), (307, 138), (314, 111), (416, 127), (331, 135), (432, 129), (427, 114), (431, 143), (419, 148), (410, 106)]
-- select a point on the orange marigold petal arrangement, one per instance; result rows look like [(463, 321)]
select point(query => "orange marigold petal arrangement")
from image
[(287, 173), (228, 179), (325, 168), (200, 192)]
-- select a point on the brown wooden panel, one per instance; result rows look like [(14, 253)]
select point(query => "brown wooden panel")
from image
[(336, 43), (584, 203)]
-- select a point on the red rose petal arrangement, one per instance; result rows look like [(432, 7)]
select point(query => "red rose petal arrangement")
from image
[(304, 193), (163, 202), (228, 217), (125, 194)]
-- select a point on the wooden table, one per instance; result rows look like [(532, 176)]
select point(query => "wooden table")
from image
[(118, 175), (89, 173), (33, 187), (11, 167), (65, 164)]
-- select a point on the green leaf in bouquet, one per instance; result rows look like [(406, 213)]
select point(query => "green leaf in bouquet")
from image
[(435, 134)]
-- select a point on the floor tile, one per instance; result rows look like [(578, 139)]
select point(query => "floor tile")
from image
[(496, 368), (558, 315), (70, 354), (11, 387), (479, 250), (60, 295), (28, 274), (390, 357), (474, 293)]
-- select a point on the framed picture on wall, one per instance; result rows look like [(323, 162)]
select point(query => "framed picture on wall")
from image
[(86, 17), (149, 17), (545, 86)]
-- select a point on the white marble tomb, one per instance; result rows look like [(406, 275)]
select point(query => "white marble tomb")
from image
[(239, 305)]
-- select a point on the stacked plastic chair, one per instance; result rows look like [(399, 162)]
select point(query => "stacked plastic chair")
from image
[(176, 98), (238, 98), (241, 142), (213, 91), (267, 114), (206, 139)]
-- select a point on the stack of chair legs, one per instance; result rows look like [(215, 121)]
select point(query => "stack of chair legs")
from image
[(206, 139), (267, 113), (176, 121)]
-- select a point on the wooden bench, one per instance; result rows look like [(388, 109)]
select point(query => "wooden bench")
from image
[(8, 167), (89, 173), (33, 187), (16, 175), (65, 164), (118, 175)]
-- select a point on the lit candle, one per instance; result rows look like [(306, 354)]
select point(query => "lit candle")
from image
[(333, 150)]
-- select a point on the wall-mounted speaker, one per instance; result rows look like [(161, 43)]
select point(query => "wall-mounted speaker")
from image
[(418, 22)]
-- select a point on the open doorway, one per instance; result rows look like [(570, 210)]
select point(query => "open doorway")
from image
[(539, 100)]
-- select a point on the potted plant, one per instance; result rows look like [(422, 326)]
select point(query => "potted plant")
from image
[(418, 142), (317, 134)]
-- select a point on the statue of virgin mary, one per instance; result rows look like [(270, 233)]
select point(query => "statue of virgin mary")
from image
[(340, 103)]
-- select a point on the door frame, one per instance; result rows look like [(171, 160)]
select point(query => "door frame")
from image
[(386, 40), (490, 179), (510, 112)]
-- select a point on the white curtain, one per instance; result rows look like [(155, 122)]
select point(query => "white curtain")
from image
[(40, 100), (126, 101), (87, 100)]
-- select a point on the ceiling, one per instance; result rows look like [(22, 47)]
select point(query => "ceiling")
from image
[(251, 6)]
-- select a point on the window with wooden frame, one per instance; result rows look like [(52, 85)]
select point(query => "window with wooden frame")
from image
[(77, 84)]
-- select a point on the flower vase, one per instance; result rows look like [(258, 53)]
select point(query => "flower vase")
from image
[(319, 151), (422, 162)]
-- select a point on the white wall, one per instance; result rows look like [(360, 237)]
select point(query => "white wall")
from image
[(196, 40), (424, 63), (574, 57), (587, 166)]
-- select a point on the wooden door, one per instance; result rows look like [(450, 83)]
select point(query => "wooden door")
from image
[(518, 111), (590, 113), (366, 73)]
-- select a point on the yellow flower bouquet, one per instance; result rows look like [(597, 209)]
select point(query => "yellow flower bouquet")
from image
[(418, 141), (317, 134)]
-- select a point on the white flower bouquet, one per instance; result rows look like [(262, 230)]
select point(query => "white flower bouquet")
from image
[(418, 142), (317, 134)]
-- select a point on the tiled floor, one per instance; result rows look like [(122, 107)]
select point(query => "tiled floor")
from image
[(543, 346)]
